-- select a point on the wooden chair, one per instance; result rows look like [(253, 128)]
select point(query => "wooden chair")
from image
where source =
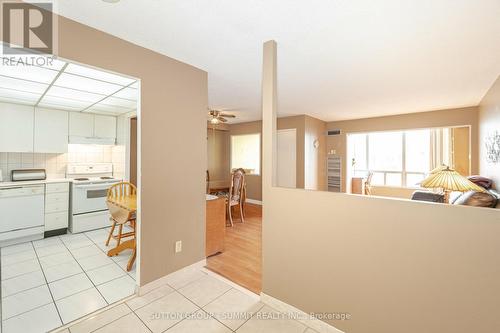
[(207, 179), (368, 186), (116, 191), (236, 194)]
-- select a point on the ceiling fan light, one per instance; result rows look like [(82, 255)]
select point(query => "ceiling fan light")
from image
[(214, 121)]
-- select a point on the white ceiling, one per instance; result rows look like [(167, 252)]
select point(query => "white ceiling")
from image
[(67, 86), (338, 59)]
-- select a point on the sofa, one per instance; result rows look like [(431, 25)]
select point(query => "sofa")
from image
[(490, 198)]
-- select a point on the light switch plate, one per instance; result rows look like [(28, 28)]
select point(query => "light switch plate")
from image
[(178, 246)]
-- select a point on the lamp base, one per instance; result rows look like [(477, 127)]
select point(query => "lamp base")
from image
[(447, 196)]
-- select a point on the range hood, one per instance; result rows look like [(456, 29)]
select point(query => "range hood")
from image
[(73, 139)]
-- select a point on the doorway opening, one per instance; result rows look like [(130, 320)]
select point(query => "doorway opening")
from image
[(234, 250), (67, 137)]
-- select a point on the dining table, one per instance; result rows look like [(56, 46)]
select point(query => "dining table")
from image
[(123, 209)]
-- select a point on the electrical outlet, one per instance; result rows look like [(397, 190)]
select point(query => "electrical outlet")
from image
[(178, 246)]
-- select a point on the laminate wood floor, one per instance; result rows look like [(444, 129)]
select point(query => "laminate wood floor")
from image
[(241, 262)]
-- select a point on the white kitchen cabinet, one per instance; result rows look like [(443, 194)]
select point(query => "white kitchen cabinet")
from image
[(105, 126), (81, 124), (16, 128), (88, 128), (51, 131), (56, 221), (56, 206)]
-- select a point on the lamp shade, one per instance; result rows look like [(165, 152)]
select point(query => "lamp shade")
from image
[(439, 168), (449, 180)]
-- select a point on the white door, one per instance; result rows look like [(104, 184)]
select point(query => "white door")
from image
[(287, 158), (51, 131)]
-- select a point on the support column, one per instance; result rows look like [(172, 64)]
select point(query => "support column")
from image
[(269, 111)]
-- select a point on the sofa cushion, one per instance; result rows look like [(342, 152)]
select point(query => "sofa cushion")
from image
[(476, 199), (427, 196), (481, 181), (497, 195)]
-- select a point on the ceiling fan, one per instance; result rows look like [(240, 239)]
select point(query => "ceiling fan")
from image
[(218, 116)]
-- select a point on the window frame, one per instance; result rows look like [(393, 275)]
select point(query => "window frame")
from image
[(404, 173)]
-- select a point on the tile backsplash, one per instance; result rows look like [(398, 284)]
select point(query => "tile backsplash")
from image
[(55, 164)]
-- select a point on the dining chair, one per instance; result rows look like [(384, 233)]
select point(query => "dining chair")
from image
[(207, 179), (368, 184), (116, 191), (236, 194)]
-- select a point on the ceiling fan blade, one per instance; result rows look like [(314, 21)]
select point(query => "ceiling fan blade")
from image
[(227, 115), (222, 120)]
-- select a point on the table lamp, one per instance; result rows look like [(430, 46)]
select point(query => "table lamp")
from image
[(449, 180)]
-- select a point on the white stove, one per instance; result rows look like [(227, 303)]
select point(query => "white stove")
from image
[(90, 184)]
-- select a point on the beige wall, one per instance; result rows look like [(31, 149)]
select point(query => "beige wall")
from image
[(173, 172), (392, 192), (299, 123), (315, 158), (254, 182), (443, 118), (461, 150), (489, 119), (394, 265), (218, 157)]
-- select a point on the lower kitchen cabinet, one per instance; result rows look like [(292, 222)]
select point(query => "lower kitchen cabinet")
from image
[(56, 208), (55, 221)]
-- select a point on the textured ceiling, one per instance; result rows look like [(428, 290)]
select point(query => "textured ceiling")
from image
[(338, 59)]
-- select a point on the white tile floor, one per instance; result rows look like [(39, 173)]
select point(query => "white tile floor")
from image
[(204, 304), (51, 282)]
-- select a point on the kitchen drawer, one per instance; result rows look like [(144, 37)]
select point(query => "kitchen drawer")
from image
[(54, 221), (56, 202), (57, 187)]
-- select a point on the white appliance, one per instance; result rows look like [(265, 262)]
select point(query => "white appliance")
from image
[(22, 210), (90, 184)]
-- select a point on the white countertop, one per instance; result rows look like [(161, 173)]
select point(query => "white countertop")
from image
[(35, 182)]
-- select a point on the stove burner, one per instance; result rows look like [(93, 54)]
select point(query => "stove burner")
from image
[(106, 177), (78, 179)]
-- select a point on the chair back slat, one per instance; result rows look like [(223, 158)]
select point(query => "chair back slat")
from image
[(237, 184), (120, 190)]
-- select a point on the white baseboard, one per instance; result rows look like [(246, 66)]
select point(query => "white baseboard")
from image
[(255, 202), (311, 321), (163, 280)]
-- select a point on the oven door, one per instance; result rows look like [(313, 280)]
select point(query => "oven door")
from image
[(88, 198)]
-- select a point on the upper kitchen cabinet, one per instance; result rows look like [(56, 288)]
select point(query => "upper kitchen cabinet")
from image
[(51, 131), (91, 129), (16, 128), (105, 127), (81, 124)]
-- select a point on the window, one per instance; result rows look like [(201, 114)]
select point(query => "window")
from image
[(397, 159), (357, 148), (245, 153), (385, 151), (417, 156)]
